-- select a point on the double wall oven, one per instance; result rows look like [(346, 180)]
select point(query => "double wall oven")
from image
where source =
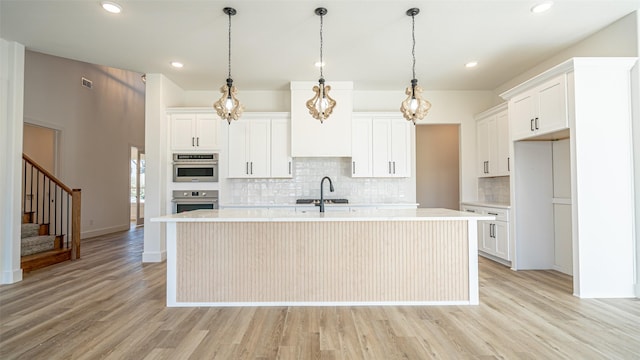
[(187, 200)]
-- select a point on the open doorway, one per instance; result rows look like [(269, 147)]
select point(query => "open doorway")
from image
[(438, 166), (41, 145), (137, 182)]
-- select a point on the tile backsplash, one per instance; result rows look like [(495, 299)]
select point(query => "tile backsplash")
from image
[(494, 190), (305, 184)]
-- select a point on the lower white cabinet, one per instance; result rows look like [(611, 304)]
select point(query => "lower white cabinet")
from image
[(493, 235)]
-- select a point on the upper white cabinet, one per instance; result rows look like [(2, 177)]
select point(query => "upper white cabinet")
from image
[(309, 137), (194, 130), (258, 146), (381, 145), (540, 110), (494, 158)]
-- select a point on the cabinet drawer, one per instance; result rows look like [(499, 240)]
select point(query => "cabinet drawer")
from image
[(500, 214)]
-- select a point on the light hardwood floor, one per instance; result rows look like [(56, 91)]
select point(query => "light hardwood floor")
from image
[(109, 305)]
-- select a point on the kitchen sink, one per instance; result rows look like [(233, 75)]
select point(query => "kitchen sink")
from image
[(317, 201)]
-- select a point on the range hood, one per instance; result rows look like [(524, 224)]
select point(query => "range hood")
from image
[(309, 137)]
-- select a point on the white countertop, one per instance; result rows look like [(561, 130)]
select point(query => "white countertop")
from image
[(279, 215), (243, 206), (486, 204)]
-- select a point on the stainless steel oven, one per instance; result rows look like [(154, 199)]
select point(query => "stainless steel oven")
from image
[(187, 200), (195, 167)]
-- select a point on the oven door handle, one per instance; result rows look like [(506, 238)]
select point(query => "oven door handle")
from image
[(192, 201)]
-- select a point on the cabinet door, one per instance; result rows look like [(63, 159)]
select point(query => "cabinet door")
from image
[(260, 148), (238, 154), (361, 147), (501, 236), (521, 115), (489, 238), (207, 131), (183, 132), (552, 106), (503, 156), (281, 162), (400, 147), (381, 148), (482, 147)]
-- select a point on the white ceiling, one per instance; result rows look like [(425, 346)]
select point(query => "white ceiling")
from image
[(274, 42)]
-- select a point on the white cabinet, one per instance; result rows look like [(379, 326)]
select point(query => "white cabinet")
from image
[(193, 131), (281, 161), (361, 147), (492, 133), (493, 235), (249, 148), (259, 146), (381, 146), (391, 147), (541, 110)]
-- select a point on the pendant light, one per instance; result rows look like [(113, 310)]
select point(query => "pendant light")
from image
[(414, 107), (321, 105), (229, 107)]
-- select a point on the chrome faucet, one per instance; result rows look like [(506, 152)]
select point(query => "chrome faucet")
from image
[(322, 191)]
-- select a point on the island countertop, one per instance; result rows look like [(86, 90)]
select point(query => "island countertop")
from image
[(279, 215)]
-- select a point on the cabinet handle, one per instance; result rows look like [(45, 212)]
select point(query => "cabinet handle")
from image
[(394, 167), (193, 142), (532, 125), (289, 167), (198, 141), (537, 124), (469, 210), (252, 168), (508, 163), (492, 230), (494, 214), (389, 167), (353, 167), (246, 170)]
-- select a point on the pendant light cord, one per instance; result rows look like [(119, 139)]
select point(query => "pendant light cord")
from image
[(321, 44), (229, 45), (413, 49)]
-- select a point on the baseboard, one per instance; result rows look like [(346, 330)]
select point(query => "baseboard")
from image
[(154, 257), (10, 277), (104, 231)]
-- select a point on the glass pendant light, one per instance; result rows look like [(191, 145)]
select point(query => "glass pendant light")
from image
[(414, 107), (321, 105), (229, 107)]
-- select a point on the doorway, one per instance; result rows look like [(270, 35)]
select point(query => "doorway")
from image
[(438, 166), (137, 184), (41, 145)]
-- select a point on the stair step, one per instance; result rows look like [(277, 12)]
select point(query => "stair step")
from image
[(30, 230), (43, 259), (36, 244)]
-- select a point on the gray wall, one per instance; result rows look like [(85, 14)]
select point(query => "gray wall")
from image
[(97, 127)]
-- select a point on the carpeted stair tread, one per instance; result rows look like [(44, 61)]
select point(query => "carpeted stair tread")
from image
[(36, 244), (30, 230)]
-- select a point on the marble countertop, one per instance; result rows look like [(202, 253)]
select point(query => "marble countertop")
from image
[(486, 204), (283, 215), (240, 206)]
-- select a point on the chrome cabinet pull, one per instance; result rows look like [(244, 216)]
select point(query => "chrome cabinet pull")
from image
[(537, 124), (532, 125)]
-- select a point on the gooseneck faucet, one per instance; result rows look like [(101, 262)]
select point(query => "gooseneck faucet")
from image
[(322, 191)]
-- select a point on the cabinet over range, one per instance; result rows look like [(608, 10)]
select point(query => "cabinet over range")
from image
[(195, 167)]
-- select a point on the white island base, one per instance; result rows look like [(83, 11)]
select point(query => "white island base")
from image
[(275, 258)]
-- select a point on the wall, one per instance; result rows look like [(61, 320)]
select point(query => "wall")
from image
[(97, 127), (39, 143), (438, 166), (11, 104)]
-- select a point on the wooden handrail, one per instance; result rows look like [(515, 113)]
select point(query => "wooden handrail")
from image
[(48, 174)]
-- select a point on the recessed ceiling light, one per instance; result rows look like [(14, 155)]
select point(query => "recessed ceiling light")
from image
[(111, 7), (542, 7), (318, 64), (177, 64), (471, 64)]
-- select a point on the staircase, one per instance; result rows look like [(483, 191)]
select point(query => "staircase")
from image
[(50, 219)]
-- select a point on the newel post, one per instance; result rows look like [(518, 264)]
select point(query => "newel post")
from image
[(76, 199)]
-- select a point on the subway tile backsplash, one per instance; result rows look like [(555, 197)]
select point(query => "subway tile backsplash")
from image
[(494, 190), (305, 184)]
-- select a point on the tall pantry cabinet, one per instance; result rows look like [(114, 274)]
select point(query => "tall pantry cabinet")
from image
[(587, 101)]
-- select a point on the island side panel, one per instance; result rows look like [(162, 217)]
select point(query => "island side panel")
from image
[(323, 262)]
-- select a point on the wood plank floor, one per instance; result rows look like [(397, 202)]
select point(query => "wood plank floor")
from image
[(109, 305)]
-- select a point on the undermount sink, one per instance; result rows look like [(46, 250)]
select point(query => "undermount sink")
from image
[(326, 201)]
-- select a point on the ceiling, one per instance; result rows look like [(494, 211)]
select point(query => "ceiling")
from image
[(274, 42)]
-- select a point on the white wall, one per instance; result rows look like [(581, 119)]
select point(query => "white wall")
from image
[(97, 127), (11, 103), (160, 94)]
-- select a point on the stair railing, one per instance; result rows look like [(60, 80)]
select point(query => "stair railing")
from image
[(47, 200)]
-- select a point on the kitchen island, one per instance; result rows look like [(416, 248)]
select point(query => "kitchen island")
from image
[(281, 257)]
